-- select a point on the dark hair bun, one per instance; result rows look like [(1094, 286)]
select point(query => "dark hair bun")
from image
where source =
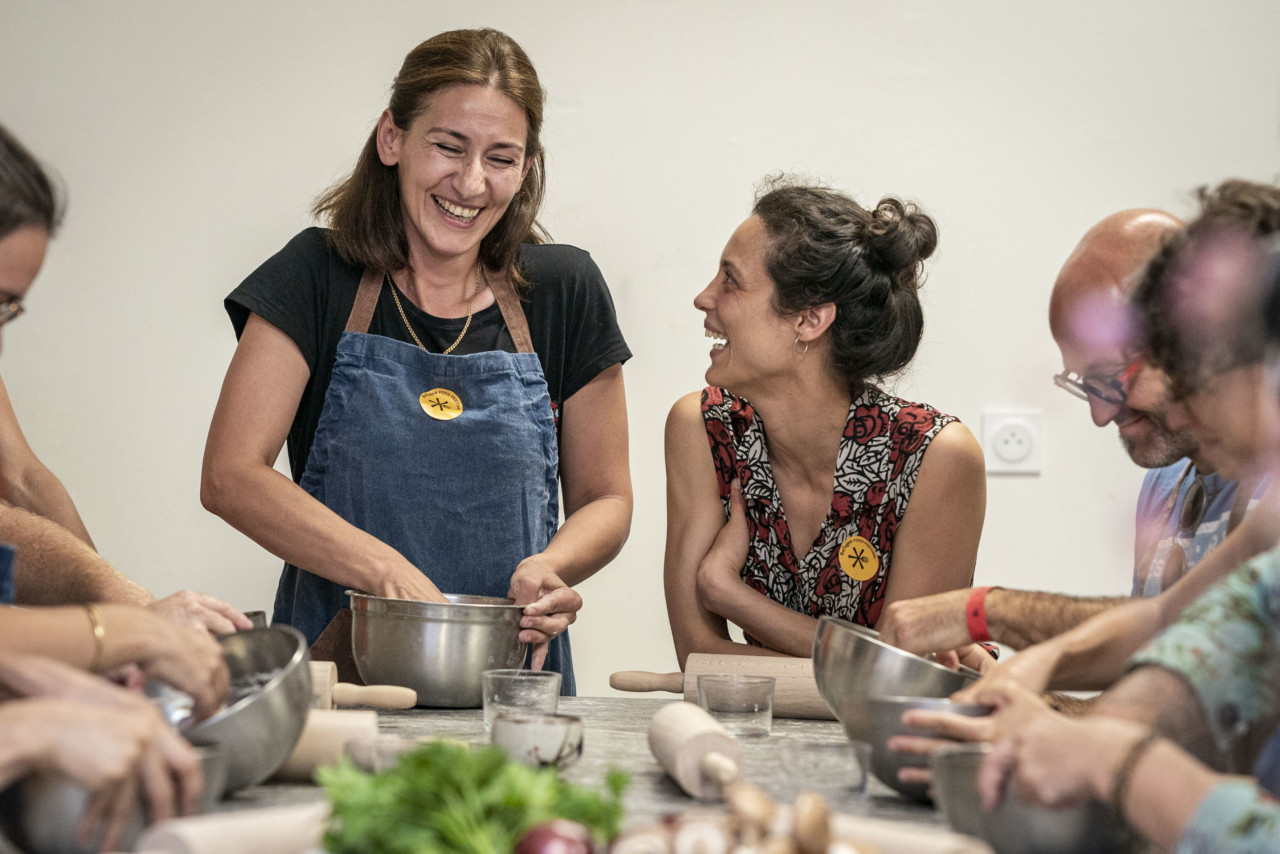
[(900, 236), (826, 248)]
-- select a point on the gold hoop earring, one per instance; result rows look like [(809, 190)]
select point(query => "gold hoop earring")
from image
[(799, 352)]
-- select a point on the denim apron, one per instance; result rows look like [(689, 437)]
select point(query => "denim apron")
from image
[(450, 460)]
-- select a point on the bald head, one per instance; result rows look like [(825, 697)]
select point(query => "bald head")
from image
[(1094, 328), (1103, 264)]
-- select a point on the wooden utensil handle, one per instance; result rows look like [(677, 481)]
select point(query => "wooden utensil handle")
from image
[(376, 696), (643, 680)]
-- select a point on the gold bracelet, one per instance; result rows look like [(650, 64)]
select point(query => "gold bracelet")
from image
[(1120, 782), (99, 637)]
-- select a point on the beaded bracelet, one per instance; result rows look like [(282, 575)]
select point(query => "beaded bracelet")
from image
[(99, 637), (1120, 782)]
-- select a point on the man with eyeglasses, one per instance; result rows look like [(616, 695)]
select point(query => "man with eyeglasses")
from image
[(1184, 509)]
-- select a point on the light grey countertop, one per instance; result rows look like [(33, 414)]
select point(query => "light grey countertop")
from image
[(616, 736)]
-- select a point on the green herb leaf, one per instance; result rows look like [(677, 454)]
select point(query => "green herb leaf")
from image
[(445, 797)]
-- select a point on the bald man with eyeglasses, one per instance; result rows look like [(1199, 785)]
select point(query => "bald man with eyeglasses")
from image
[(1185, 510)]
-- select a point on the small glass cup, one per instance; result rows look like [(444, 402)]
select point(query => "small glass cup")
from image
[(542, 741), (742, 704), (836, 770), (519, 691)]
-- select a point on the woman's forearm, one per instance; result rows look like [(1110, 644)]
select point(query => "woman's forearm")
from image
[(1093, 655), (39, 491), (589, 538), (280, 516), (776, 626), (1165, 788)]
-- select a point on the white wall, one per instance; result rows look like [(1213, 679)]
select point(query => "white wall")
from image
[(193, 137)]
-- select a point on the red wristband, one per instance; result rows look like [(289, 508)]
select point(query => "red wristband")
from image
[(975, 614)]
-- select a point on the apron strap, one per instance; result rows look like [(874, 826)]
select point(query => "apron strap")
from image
[(503, 293), (366, 302), (512, 314)]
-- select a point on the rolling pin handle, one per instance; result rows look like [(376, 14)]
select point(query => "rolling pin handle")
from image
[(642, 680), (720, 768)]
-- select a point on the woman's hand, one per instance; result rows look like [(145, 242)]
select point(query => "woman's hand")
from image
[(945, 729), (550, 605), (201, 611), (1056, 761), (409, 583), (189, 659), (113, 751), (1031, 669), (721, 570)]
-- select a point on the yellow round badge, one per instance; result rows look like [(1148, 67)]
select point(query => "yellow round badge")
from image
[(441, 404), (858, 559)]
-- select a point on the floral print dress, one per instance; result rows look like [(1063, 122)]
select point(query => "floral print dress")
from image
[(845, 570)]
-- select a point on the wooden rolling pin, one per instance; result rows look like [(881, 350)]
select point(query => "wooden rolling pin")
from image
[(270, 830), (695, 750), (324, 736), (795, 694), (328, 693)]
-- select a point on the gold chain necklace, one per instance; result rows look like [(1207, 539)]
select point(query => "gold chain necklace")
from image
[(482, 282)]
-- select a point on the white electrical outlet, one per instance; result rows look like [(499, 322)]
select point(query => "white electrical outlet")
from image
[(1011, 440)]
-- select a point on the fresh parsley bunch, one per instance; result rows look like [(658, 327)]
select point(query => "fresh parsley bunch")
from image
[(446, 797)]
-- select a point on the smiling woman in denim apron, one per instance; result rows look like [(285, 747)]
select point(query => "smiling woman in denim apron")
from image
[(434, 367)]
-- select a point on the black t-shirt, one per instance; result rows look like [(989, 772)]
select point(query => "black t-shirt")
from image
[(306, 290)]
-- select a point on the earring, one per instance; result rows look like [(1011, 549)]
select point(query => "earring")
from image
[(797, 351)]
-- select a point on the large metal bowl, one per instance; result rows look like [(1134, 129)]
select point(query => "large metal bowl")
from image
[(852, 664), (271, 693), (1014, 826), (882, 717), (41, 813), (437, 649)]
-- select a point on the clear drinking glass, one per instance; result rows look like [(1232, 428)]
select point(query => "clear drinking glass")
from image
[(519, 691), (742, 704)]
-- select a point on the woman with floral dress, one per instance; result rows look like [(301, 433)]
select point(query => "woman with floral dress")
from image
[(838, 496)]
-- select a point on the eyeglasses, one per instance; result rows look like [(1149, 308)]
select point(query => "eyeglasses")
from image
[(1106, 389), (9, 309)]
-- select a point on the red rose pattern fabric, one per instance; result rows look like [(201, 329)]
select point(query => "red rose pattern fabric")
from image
[(884, 443)]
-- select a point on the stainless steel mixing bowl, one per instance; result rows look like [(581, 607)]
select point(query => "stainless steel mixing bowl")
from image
[(258, 730), (851, 664), (41, 813), (1014, 826), (882, 717), (437, 649)]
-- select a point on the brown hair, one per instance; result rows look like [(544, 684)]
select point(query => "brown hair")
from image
[(27, 196), (364, 210), (825, 247), (1189, 352)]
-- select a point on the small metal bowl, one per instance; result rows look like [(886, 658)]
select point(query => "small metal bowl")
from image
[(852, 664), (882, 718), (437, 649), (263, 719), (1015, 826)]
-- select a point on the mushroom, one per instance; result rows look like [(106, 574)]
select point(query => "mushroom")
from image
[(648, 841), (750, 806), (701, 836), (812, 824)]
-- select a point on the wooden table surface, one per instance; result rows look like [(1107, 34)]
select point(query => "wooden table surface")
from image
[(616, 736)]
